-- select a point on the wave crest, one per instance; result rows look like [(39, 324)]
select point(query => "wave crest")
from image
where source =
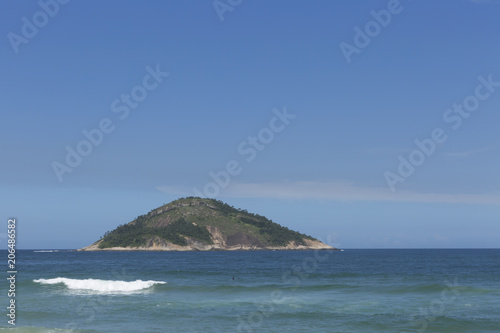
[(101, 285)]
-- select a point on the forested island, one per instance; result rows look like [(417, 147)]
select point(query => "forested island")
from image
[(199, 224)]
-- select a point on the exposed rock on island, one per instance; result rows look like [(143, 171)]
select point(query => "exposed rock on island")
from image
[(198, 224)]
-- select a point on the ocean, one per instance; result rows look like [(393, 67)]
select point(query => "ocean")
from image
[(263, 291)]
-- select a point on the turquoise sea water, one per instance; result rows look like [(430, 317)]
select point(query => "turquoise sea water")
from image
[(272, 291)]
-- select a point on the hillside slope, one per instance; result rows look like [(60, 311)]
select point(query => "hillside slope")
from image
[(197, 224)]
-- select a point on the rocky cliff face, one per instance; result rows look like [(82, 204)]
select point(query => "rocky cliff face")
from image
[(195, 224)]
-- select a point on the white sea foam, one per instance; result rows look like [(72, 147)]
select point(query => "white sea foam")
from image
[(101, 285)]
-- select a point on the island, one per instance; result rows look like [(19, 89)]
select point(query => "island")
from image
[(201, 224)]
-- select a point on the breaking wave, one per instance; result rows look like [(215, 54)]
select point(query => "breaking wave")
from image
[(101, 285)]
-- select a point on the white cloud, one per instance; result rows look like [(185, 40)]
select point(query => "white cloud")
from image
[(176, 190), (485, 1), (468, 152), (338, 191)]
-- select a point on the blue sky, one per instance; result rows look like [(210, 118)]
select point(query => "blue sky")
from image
[(264, 97)]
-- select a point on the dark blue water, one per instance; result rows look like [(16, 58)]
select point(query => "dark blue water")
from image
[(272, 291)]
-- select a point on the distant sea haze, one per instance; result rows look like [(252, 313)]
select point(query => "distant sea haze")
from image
[(263, 291)]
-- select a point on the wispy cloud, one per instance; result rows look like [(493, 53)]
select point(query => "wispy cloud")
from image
[(485, 1), (176, 190), (339, 191), (388, 150), (468, 152)]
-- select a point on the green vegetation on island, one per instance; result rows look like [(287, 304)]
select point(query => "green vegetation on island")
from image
[(190, 219), (136, 234)]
